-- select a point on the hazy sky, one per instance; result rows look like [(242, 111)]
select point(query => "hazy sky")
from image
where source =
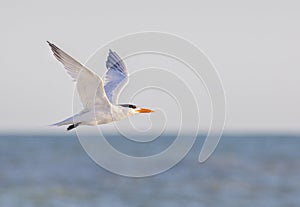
[(253, 44)]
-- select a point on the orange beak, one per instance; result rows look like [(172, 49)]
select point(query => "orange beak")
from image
[(143, 110)]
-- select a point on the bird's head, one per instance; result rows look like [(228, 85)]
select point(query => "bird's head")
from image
[(133, 109)]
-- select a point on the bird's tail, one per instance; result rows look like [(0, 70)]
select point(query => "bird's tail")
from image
[(64, 122)]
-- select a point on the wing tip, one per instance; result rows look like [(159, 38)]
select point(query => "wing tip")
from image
[(53, 46), (49, 43), (56, 51)]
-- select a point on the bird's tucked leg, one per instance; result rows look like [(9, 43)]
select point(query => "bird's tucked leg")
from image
[(73, 126)]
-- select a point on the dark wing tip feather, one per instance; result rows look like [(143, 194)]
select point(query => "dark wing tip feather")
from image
[(53, 46), (56, 51), (114, 61)]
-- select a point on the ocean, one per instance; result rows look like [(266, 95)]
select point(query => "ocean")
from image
[(245, 170)]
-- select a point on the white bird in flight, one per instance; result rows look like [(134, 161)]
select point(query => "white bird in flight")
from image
[(98, 99)]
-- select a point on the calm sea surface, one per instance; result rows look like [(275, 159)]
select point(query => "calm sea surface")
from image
[(243, 171)]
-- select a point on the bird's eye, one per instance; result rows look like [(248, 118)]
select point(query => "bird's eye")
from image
[(132, 106), (128, 106)]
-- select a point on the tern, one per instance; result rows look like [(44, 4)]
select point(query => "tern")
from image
[(97, 97)]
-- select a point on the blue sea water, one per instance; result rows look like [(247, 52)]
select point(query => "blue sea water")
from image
[(245, 170)]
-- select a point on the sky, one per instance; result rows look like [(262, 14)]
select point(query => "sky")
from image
[(254, 46)]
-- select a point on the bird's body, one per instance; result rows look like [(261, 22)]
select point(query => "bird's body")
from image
[(97, 117), (98, 99)]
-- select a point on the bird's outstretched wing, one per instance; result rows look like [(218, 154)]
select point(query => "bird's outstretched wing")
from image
[(116, 76), (89, 84)]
